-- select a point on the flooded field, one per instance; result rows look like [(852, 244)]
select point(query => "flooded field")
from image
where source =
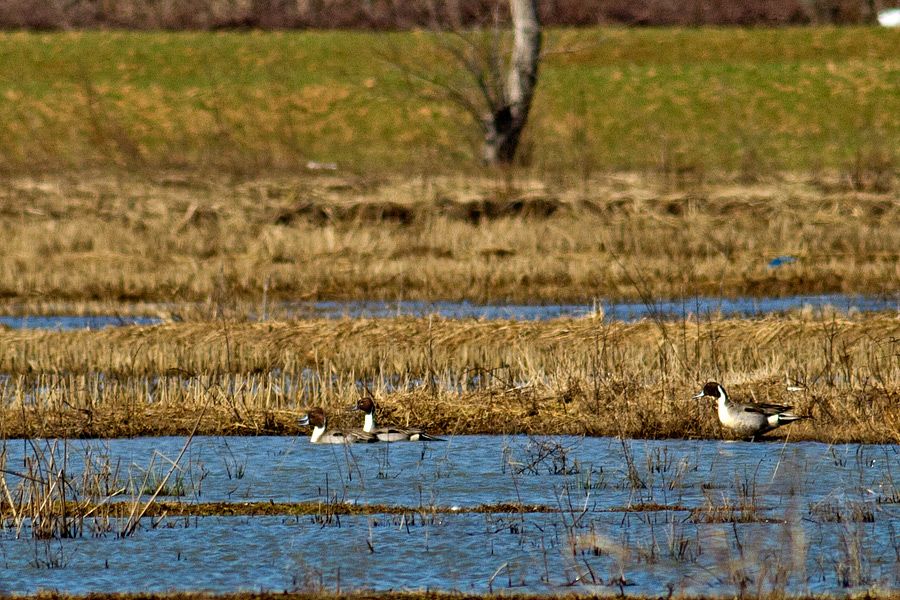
[(209, 235), (584, 514)]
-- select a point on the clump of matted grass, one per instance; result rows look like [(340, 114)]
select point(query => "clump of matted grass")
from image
[(576, 376), (203, 248)]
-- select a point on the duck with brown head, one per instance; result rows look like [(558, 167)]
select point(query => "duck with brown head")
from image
[(747, 419), (366, 404), (320, 435)]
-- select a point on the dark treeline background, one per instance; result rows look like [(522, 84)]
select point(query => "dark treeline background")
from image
[(406, 14)]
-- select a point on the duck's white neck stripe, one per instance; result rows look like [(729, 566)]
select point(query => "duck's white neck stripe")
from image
[(723, 397), (369, 425), (316, 434)]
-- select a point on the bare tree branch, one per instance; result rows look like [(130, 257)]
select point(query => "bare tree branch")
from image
[(499, 76)]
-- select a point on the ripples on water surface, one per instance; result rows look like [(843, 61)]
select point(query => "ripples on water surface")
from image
[(825, 517)]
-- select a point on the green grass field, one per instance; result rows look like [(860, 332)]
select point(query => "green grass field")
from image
[(697, 100)]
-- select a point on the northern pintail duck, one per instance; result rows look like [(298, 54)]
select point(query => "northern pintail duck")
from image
[(390, 434), (748, 419), (316, 418)]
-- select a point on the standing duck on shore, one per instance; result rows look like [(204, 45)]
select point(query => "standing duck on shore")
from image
[(747, 419)]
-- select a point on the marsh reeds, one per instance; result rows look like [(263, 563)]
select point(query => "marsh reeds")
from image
[(576, 376), (62, 491), (206, 248)]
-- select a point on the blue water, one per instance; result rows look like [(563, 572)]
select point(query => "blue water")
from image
[(615, 311), (74, 322), (290, 469), (469, 553), (805, 494)]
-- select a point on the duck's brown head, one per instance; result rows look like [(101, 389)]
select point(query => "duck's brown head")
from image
[(315, 418), (366, 404)]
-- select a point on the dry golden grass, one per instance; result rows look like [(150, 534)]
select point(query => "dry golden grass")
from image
[(573, 376), (217, 247)]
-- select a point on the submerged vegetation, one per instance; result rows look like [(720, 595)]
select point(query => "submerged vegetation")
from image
[(599, 513), (404, 595)]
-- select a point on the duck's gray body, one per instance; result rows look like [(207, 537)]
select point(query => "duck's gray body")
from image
[(390, 434), (336, 436), (748, 419), (316, 418)]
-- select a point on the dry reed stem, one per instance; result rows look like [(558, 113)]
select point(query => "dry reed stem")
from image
[(575, 376)]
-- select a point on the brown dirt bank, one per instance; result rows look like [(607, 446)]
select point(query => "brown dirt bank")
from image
[(181, 509)]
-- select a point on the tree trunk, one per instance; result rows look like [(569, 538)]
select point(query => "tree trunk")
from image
[(503, 128), (871, 14)]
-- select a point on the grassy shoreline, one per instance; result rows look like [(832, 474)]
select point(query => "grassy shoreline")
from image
[(569, 376), (685, 101)]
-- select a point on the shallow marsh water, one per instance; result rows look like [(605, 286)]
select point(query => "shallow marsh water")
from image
[(822, 518), (615, 311), (73, 321)]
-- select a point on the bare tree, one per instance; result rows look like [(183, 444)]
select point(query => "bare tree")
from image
[(509, 112), (494, 75)]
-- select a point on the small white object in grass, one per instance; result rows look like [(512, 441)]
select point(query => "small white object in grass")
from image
[(794, 388), (315, 165), (889, 17)]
